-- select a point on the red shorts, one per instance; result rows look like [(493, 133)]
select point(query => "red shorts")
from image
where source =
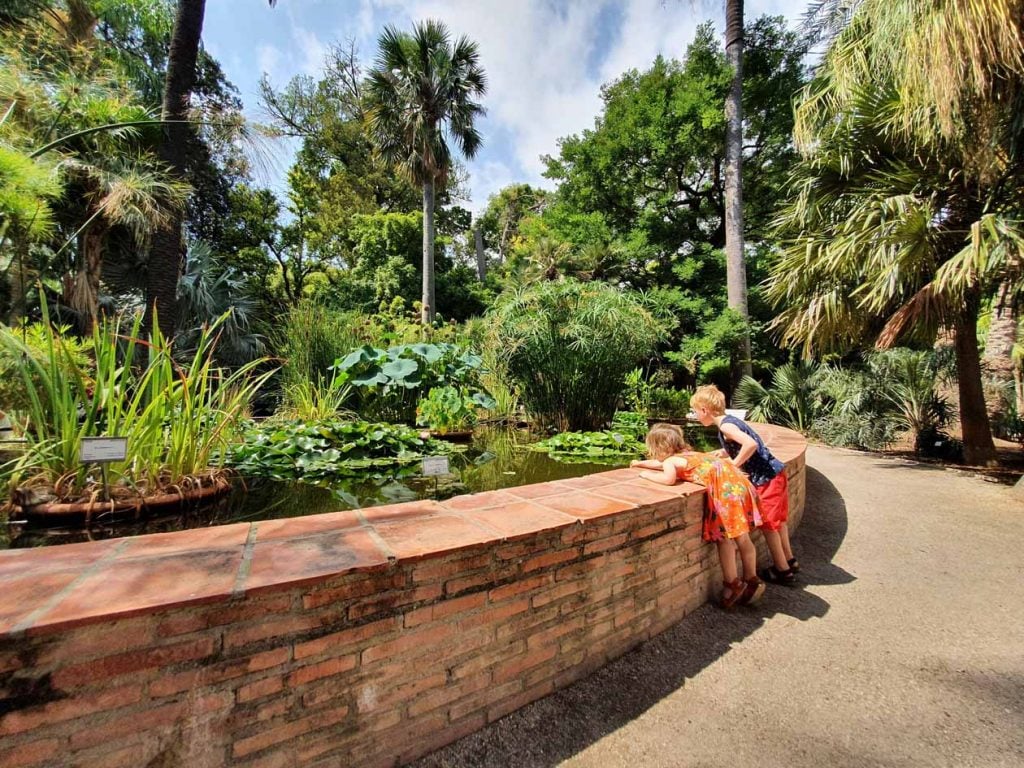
[(773, 498)]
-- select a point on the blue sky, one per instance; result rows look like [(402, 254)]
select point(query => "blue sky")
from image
[(545, 59)]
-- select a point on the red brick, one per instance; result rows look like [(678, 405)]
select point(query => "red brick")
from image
[(18, 721), (98, 640), (478, 704), (445, 608), (138, 721), (550, 558), (612, 542), (520, 586), (455, 586), (438, 570), (558, 592), (650, 530), (434, 699), (335, 666), (420, 641), (481, 661), (554, 632), (135, 661), (395, 600), (514, 668), (35, 753), (409, 690), (286, 731), (242, 666), (339, 641), (235, 637), (136, 754), (502, 708), (495, 615), (182, 625), (168, 685), (259, 689)]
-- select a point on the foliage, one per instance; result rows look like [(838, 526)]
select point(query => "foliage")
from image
[(790, 400), (447, 409), (637, 394), (391, 382), (630, 423), (568, 347), (316, 399), (178, 418), (669, 403), (75, 354), (327, 448), (591, 446)]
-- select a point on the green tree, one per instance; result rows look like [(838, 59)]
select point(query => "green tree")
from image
[(900, 221), (422, 93)]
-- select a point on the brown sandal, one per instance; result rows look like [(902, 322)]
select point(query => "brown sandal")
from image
[(752, 592), (736, 591)]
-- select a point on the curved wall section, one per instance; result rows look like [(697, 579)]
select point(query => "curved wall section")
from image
[(365, 637)]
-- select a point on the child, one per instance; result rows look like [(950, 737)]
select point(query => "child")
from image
[(767, 474), (731, 509)]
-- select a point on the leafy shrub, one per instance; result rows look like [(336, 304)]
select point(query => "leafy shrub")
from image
[(791, 400), (447, 409), (390, 382), (568, 347), (591, 446), (637, 394), (35, 337), (669, 403), (316, 399), (328, 448), (179, 418), (630, 423)]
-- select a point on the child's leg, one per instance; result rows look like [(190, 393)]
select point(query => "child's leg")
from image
[(727, 559), (748, 556), (784, 537), (777, 548)]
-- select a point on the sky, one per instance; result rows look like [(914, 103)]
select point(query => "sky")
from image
[(545, 60)]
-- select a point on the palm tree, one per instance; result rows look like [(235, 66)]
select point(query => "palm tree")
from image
[(167, 252), (736, 271), (422, 93)]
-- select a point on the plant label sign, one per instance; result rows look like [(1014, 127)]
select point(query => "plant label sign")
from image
[(435, 465), (98, 450)]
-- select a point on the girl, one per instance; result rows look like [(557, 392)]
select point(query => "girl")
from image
[(731, 511)]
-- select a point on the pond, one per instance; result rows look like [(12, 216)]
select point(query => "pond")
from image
[(496, 458)]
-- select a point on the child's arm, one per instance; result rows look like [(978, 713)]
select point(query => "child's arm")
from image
[(646, 464), (748, 446), (667, 476)]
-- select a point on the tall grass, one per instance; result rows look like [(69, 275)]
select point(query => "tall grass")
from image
[(178, 418)]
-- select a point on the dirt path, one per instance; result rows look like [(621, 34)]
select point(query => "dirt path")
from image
[(905, 647)]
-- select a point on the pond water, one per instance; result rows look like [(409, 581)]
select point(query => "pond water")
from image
[(496, 458)]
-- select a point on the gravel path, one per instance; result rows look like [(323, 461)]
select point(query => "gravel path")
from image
[(905, 647)]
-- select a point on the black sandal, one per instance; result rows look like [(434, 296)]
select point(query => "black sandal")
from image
[(794, 565), (773, 575)]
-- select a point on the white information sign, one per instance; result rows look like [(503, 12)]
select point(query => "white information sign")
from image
[(101, 449), (435, 465)]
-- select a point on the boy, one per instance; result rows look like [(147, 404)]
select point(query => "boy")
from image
[(767, 474)]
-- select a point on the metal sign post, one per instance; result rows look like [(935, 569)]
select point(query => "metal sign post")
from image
[(434, 466), (102, 451)]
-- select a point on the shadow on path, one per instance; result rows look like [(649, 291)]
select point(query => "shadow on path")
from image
[(559, 726)]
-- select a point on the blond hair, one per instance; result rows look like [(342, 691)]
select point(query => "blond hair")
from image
[(710, 398), (664, 440)]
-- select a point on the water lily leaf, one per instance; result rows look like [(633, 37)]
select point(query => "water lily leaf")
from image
[(399, 370), (373, 377), (429, 352), (361, 355)]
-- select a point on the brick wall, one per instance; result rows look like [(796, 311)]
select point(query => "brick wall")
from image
[(372, 666)]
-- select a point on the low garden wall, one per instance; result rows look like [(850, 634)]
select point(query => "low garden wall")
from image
[(358, 638)]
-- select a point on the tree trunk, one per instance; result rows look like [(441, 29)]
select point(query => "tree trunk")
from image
[(997, 364), (428, 252), (167, 248), (736, 273), (978, 446), (82, 291), (481, 259)]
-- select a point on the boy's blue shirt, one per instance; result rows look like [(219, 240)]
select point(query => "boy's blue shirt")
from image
[(762, 466)]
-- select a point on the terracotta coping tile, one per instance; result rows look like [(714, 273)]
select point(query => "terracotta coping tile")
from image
[(640, 495), (295, 527), (472, 501), (415, 537), (405, 510), (133, 586), (295, 561), (23, 595), (537, 490), (586, 505), (521, 517), (588, 481), (16, 562), (158, 544)]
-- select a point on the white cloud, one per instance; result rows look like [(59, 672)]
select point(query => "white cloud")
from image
[(268, 58)]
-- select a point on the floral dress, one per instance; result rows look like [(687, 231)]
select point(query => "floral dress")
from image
[(731, 508)]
